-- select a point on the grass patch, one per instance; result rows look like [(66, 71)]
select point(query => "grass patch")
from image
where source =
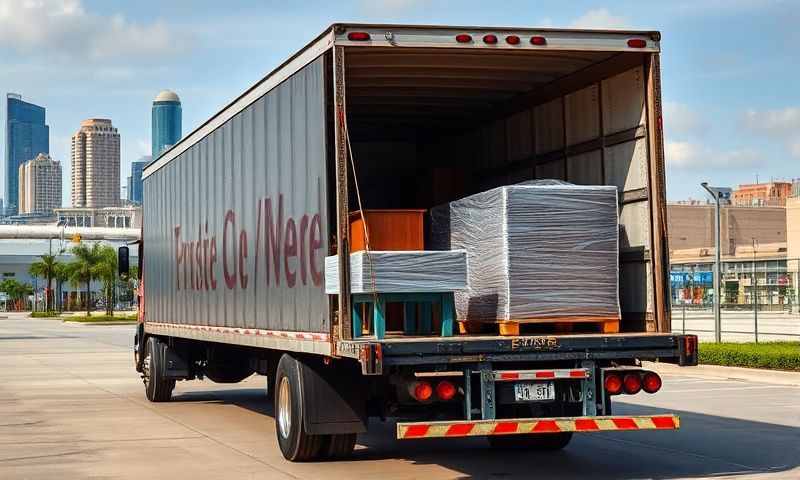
[(50, 314), (771, 355), (101, 318)]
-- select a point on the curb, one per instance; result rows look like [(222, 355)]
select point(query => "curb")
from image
[(126, 322), (777, 377)]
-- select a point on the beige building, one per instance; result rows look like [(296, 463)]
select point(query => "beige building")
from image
[(39, 185), (110, 217), (95, 165)]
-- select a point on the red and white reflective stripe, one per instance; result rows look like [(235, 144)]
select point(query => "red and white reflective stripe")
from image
[(511, 375), (535, 425), (321, 337)]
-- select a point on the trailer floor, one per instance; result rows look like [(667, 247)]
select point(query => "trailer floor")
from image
[(71, 406)]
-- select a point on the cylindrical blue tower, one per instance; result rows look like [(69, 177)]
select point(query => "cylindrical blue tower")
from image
[(166, 121)]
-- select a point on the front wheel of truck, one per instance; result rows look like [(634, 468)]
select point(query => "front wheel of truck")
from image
[(296, 445), (156, 387), (539, 441)]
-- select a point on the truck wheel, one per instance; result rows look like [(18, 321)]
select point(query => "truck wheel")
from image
[(541, 441), (295, 444), (156, 387), (338, 446)]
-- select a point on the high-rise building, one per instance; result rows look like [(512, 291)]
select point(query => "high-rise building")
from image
[(95, 164), (26, 136), (166, 121), (39, 185), (135, 192)]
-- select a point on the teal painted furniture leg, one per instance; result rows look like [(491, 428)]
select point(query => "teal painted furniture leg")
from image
[(378, 319), (448, 312), (357, 328), (409, 318), (426, 318)]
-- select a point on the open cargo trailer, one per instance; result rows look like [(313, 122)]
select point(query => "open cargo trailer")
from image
[(239, 215)]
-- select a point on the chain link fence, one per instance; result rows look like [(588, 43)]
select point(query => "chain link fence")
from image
[(759, 300)]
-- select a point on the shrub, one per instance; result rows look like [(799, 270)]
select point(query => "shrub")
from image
[(771, 355), (50, 314)]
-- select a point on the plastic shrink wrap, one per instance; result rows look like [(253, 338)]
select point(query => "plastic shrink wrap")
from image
[(400, 272), (537, 251)]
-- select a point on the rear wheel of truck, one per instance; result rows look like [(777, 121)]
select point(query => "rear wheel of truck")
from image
[(295, 444), (540, 441), (156, 387), (338, 446)]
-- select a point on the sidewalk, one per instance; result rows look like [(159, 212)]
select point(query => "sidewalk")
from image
[(777, 377)]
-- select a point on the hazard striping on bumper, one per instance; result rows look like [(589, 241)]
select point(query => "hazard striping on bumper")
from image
[(535, 425)]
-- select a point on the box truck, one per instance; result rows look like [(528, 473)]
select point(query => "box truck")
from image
[(240, 214)]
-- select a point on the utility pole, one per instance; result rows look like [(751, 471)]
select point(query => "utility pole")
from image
[(755, 291), (716, 194)]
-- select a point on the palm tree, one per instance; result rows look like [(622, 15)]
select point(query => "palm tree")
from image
[(61, 274), (106, 271), (16, 291), (46, 269), (84, 268)]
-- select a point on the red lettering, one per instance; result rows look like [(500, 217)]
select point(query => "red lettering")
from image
[(314, 244), (243, 259), (290, 251), (199, 256), (303, 256), (212, 261), (230, 278), (258, 242), (205, 259), (190, 254), (178, 257), (274, 238)]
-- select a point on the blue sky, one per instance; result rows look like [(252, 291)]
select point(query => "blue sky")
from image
[(729, 67)]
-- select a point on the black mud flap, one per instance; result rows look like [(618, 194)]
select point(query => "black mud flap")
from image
[(334, 397)]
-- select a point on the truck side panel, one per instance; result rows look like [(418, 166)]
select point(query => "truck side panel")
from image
[(236, 225)]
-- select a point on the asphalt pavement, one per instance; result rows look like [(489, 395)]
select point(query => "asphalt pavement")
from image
[(71, 406)]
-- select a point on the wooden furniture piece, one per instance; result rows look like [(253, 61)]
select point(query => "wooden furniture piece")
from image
[(388, 230), (410, 301)]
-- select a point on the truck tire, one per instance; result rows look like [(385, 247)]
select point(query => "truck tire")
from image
[(296, 445), (338, 446), (540, 441), (156, 387)]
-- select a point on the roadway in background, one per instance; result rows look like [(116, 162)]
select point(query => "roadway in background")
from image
[(71, 406), (737, 325)]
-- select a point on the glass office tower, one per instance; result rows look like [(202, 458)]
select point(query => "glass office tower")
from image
[(26, 137), (166, 121)]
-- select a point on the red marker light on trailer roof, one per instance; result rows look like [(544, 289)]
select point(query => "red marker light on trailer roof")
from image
[(637, 43), (490, 39), (512, 40), (463, 38), (358, 36), (537, 40)]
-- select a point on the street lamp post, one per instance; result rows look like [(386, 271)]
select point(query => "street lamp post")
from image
[(716, 194), (755, 291)]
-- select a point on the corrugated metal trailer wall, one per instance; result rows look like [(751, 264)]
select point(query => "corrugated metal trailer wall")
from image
[(593, 136), (235, 228)]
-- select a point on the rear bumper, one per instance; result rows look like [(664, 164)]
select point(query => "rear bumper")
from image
[(473, 428)]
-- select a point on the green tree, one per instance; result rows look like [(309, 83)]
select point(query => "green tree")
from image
[(46, 269), (106, 272), (16, 291), (84, 268), (61, 274)]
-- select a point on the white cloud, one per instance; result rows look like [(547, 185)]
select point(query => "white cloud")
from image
[(390, 6), (65, 30), (782, 124), (599, 18), (690, 155), (679, 119)]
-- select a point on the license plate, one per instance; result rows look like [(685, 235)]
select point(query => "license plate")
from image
[(534, 391)]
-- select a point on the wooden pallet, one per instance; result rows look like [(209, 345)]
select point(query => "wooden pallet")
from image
[(542, 326)]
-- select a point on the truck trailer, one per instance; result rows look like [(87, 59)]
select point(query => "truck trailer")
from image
[(240, 214)]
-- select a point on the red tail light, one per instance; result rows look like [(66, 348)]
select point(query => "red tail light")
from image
[(651, 383), (358, 36), (422, 391), (538, 40), (445, 390), (637, 43), (490, 39), (632, 383), (512, 40), (463, 38), (613, 384)]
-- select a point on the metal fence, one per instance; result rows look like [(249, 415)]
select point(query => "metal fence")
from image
[(759, 300)]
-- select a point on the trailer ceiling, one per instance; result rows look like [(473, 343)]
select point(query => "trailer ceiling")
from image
[(449, 88)]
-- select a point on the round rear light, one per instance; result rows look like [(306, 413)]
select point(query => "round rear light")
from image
[(490, 39), (512, 40), (358, 36), (613, 384), (632, 383), (651, 383), (445, 390), (422, 391), (538, 41), (463, 38)]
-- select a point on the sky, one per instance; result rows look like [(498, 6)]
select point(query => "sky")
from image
[(729, 67)]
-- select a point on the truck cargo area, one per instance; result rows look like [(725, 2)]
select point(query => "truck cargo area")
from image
[(428, 126)]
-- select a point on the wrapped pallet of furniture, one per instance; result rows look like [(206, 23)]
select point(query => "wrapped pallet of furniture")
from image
[(538, 252)]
